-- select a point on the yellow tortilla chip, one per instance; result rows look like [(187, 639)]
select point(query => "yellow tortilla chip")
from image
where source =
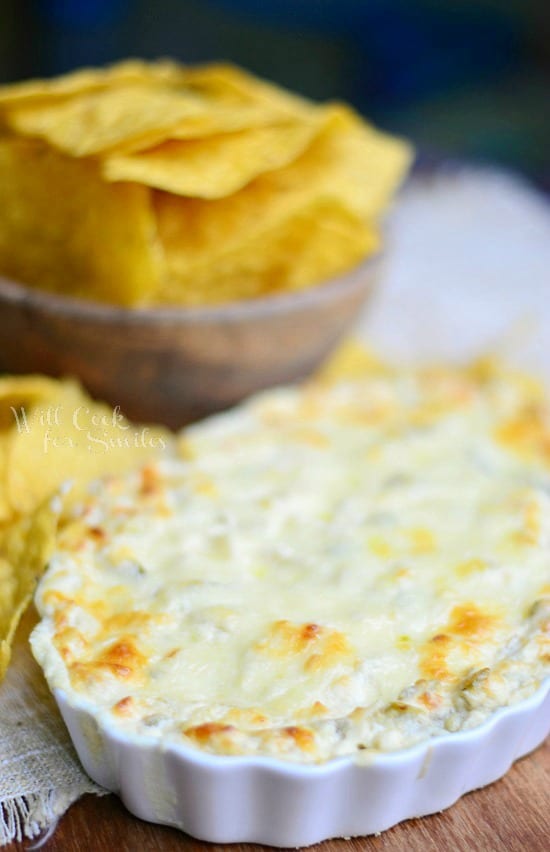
[(24, 551), (349, 160), (17, 394), (352, 360), (51, 433), (320, 240), (136, 115), (228, 81), (16, 391), (84, 80), (64, 229), (5, 509), (135, 105), (216, 166), (226, 116), (347, 165), (70, 437)]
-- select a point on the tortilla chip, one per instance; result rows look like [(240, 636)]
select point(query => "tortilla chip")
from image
[(224, 80), (347, 165), (136, 115), (135, 105), (24, 551), (64, 229), (227, 116), (352, 360), (17, 395), (56, 89), (5, 508), (51, 433), (321, 240), (16, 391), (70, 437), (216, 166), (349, 160)]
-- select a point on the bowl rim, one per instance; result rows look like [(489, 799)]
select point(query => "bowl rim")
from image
[(24, 295)]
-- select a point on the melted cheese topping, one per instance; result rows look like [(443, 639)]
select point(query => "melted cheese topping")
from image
[(328, 570)]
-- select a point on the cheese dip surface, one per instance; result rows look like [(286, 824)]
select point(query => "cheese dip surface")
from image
[(327, 570)]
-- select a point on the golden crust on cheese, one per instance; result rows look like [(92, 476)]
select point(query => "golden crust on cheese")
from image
[(327, 570)]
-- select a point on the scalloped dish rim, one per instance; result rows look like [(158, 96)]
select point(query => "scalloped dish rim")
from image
[(222, 777)]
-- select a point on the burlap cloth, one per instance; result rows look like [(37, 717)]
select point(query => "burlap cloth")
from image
[(40, 775), (468, 270)]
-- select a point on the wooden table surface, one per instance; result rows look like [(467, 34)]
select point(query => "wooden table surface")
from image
[(512, 815)]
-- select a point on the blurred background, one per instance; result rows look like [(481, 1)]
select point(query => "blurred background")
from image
[(463, 78)]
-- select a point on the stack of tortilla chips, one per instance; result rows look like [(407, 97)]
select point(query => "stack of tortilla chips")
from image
[(156, 183)]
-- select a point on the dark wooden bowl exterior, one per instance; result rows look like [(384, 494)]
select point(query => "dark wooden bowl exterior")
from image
[(174, 365)]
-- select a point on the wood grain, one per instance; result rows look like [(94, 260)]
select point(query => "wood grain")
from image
[(175, 365), (512, 815)]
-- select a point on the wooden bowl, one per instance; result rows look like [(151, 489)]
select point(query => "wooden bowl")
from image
[(174, 365)]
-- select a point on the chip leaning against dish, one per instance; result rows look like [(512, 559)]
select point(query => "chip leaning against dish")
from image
[(51, 432), (333, 569)]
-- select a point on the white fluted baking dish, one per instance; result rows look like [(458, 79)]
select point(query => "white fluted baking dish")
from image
[(246, 677), (225, 799)]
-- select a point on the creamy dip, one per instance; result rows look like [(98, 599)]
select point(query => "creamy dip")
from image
[(325, 570)]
